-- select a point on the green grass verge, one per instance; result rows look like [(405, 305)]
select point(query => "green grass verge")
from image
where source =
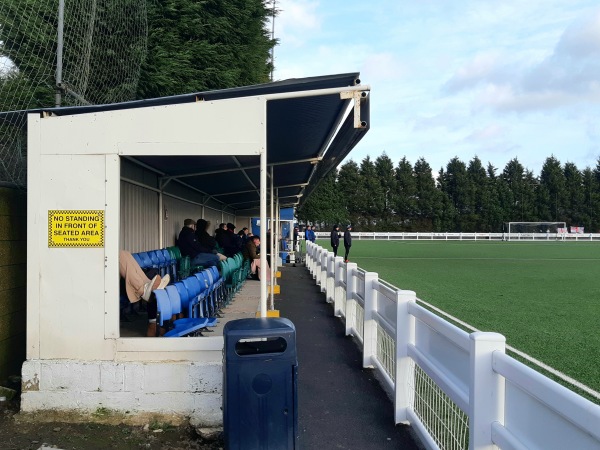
[(543, 296)]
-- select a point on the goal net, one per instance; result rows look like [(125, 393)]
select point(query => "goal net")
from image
[(531, 229)]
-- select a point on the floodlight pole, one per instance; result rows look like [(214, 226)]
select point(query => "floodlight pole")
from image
[(59, 51), (272, 40)]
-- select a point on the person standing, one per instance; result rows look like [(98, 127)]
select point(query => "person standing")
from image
[(347, 241), (335, 239), (295, 239), (310, 234)]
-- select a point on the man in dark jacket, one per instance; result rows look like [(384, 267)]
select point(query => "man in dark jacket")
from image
[(205, 240), (347, 241), (335, 239), (231, 242), (189, 246), (220, 233)]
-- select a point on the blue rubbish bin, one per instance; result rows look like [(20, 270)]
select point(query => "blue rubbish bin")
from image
[(260, 393)]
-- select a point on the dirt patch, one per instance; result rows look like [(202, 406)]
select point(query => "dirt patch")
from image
[(31, 432)]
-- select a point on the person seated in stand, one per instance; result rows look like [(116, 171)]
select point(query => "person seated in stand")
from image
[(232, 243), (206, 240), (219, 232), (243, 234), (250, 253), (189, 246), (139, 286)]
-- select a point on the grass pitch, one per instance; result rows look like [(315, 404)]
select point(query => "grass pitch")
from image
[(543, 296)]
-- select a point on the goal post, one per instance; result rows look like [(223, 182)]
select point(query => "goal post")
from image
[(530, 229)]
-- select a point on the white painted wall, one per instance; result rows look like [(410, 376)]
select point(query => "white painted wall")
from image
[(75, 357)]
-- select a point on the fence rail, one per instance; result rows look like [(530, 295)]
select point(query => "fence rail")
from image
[(414, 236), (457, 390)]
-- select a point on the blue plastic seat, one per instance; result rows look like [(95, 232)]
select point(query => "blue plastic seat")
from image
[(166, 305), (146, 260), (206, 305), (170, 263), (196, 294), (138, 259), (156, 261)]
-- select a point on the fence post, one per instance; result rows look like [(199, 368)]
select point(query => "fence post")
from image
[(486, 390), (369, 325), (323, 277), (317, 268), (338, 267), (351, 269), (405, 374), (330, 282)]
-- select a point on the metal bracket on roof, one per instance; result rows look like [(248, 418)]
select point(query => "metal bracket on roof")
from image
[(358, 97)]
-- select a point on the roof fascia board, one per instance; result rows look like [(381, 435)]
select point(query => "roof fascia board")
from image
[(237, 169)]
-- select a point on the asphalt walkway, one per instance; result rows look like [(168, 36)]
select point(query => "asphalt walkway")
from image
[(341, 405)]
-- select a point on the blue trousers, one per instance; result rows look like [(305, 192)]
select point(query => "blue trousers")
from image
[(205, 259)]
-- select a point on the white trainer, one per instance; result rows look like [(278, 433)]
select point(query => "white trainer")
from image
[(148, 287), (164, 282)]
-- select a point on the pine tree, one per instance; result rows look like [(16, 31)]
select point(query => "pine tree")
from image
[(348, 180), (197, 46), (405, 197)]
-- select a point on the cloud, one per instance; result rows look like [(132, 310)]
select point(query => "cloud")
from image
[(582, 39), (382, 67), (296, 21), (569, 75), (484, 68), (444, 120), (490, 133)]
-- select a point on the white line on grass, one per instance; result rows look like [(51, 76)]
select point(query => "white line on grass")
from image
[(477, 259)]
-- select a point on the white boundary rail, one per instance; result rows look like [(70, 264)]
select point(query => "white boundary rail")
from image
[(457, 390), (414, 236)]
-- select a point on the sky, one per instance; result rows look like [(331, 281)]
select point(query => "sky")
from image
[(451, 78)]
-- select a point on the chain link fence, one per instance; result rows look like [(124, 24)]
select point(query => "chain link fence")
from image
[(104, 43)]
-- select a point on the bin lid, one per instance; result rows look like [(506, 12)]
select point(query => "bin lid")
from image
[(275, 336), (265, 324)]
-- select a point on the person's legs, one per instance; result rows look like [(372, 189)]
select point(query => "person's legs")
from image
[(347, 253), (205, 259), (255, 268), (335, 247), (136, 280)]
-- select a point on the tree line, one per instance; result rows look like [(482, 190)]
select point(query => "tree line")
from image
[(380, 196), (140, 48)]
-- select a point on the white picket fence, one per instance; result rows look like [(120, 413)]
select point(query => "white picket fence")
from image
[(457, 390), (414, 236)]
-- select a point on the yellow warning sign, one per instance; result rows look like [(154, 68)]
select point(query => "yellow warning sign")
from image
[(76, 228)]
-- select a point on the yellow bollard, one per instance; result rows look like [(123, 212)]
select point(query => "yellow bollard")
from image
[(270, 313), (276, 289)]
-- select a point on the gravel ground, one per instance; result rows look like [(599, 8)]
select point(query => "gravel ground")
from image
[(33, 432)]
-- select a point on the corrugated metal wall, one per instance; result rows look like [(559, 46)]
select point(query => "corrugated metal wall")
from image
[(139, 218), (140, 213), (176, 212)]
